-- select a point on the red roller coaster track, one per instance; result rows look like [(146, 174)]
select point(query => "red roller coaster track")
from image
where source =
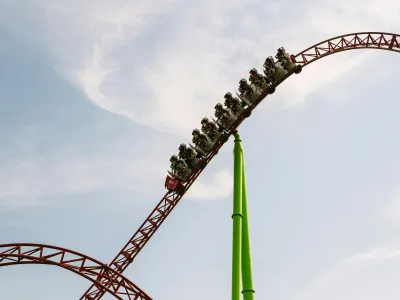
[(371, 40), (102, 276)]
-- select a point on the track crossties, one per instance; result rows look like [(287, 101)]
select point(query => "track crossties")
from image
[(101, 275)]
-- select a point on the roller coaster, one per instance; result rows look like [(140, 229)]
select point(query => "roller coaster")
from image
[(185, 169)]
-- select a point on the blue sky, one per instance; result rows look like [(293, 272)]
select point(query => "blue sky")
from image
[(95, 97)]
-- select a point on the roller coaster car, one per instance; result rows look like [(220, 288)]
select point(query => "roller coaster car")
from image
[(174, 184), (298, 68)]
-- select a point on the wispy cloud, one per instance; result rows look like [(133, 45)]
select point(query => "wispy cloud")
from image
[(30, 174), (218, 186), (164, 64), (344, 272), (374, 255), (31, 179)]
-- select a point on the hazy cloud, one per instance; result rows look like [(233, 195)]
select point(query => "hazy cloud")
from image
[(218, 186), (164, 64)]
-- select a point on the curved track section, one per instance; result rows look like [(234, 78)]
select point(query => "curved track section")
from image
[(370, 40), (362, 40), (103, 277)]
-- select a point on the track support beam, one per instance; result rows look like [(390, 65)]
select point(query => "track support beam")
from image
[(241, 255)]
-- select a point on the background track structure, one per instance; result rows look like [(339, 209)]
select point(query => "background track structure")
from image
[(105, 278), (361, 40)]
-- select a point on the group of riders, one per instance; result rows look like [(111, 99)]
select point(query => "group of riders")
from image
[(204, 139)]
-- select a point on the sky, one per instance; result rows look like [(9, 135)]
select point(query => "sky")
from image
[(95, 96)]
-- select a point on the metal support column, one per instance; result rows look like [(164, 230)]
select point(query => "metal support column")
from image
[(241, 255), (247, 278), (237, 219)]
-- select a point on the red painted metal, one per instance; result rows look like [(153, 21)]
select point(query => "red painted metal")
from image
[(103, 277), (172, 184), (371, 40), (361, 40)]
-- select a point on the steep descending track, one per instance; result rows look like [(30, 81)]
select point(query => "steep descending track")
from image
[(102, 276), (362, 40)]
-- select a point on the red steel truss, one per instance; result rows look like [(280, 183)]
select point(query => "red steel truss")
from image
[(372, 40), (103, 277)]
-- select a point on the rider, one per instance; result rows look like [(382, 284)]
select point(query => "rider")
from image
[(283, 57), (232, 103), (209, 128), (243, 83), (222, 114), (200, 140), (253, 76), (271, 70), (188, 154), (178, 166), (257, 79), (182, 150), (245, 88)]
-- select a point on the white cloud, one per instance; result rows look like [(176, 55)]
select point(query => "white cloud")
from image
[(26, 182), (346, 275), (165, 64), (379, 254), (66, 173), (218, 186), (29, 174), (209, 47)]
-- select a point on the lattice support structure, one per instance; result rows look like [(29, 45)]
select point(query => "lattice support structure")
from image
[(371, 40), (103, 277), (361, 40)]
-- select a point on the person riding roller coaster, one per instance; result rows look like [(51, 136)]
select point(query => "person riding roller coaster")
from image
[(271, 70), (233, 103), (178, 166), (199, 139), (209, 128), (245, 89), (284, 58), (188, 154), (182, 149), (257, 79), (222, 115)]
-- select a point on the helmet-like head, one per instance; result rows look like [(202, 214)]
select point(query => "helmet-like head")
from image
[(182, 147), (218, 106), (269, 62), (228, 101), (228, 95), (196, 132), (204, 121), (243, 81), (253, 72), (281, 50), (173, 158)]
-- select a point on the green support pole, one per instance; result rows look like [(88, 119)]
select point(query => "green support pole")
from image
[(247, 279), (237, 218)]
